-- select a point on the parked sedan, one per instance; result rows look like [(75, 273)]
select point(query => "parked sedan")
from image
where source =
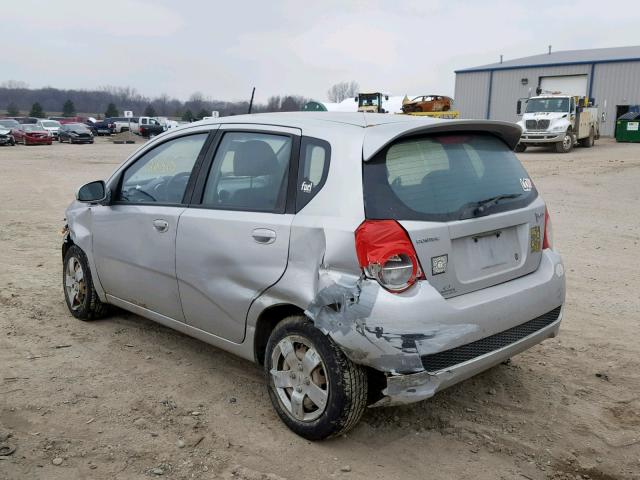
[(360, 259), (75, 133), (11, 126), (6, 137), (9, 123), (52, 126), (33, 134)]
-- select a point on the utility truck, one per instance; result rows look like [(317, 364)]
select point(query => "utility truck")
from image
[(557, 120)]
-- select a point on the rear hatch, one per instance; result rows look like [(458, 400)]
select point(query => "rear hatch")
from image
[(467, 204)]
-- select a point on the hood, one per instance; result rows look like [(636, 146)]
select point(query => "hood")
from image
[(5, 131)]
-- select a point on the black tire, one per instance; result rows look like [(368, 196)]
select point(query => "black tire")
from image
[(88, 305), (520, 148), (346, 382), (590, 140), (566, 145), (12, 142)]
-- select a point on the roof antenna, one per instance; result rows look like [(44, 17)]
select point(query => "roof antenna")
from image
[(549, 49), (500, 58), (253, 92)]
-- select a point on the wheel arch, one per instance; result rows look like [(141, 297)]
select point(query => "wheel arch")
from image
[(265, 324)]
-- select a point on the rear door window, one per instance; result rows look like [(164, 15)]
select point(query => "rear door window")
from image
[(249, 172), (445, 177)]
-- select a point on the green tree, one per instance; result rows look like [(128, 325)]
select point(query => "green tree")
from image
[(68, 109), (12, 110), (36, 111), (203, 113), (112, 111), (149, 111), (187, 116)]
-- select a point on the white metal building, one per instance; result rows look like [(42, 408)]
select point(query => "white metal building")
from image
[(611, 76)]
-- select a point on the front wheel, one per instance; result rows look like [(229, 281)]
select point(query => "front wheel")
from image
[(566, 145), (520, 148), (79, 292), (316, 390)]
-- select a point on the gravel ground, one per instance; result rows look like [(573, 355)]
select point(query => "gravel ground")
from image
[(126, 398)]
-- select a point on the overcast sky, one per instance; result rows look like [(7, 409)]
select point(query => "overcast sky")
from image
[(224, 48)]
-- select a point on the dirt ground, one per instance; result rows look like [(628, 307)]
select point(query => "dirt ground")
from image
[(126, 398)]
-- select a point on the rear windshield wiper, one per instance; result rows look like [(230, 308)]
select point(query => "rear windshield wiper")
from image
[(481, 206)]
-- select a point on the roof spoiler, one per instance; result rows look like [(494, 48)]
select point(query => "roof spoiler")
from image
[(379, 136)]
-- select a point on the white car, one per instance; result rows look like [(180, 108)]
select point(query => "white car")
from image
[(51, 126)]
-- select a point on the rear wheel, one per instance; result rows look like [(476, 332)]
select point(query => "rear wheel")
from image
[(316, 390), (589, 141), (566, 145), (79, 292)]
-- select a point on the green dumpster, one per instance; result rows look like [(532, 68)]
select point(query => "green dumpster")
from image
[(628, 127)]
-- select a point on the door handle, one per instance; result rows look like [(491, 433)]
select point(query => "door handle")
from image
[(264, 235), (161, 225)]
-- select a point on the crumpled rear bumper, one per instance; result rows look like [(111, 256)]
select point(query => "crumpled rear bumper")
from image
[(402, 389)]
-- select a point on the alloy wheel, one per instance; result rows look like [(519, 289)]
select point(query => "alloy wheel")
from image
[(299, 378), (74, 283)]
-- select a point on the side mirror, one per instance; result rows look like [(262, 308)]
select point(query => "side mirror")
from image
[(519, 107), (386, 97), (92, 192), (356, 99)]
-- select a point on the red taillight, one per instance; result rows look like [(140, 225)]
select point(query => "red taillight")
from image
[(386, 254), (547, 242)]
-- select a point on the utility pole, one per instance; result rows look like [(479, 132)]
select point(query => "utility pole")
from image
[(251, 102)]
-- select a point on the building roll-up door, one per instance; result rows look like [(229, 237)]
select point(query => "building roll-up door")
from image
[(575, 85)]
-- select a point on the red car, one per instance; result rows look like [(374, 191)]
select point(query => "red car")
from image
[(31, 134)]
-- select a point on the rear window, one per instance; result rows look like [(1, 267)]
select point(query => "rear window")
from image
[(445, 178)]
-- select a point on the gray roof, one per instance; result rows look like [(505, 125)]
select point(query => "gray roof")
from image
[(566, 57), (380, 128)]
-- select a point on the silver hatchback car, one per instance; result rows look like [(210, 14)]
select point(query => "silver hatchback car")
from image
[(361, 259)]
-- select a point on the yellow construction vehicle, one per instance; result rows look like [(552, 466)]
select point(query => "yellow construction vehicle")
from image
[(371, 102)]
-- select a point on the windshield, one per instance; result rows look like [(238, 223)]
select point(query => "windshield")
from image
[(368, 100), (548, 105), (9, 123), (78, 127), (50, 123), (444, 177)]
